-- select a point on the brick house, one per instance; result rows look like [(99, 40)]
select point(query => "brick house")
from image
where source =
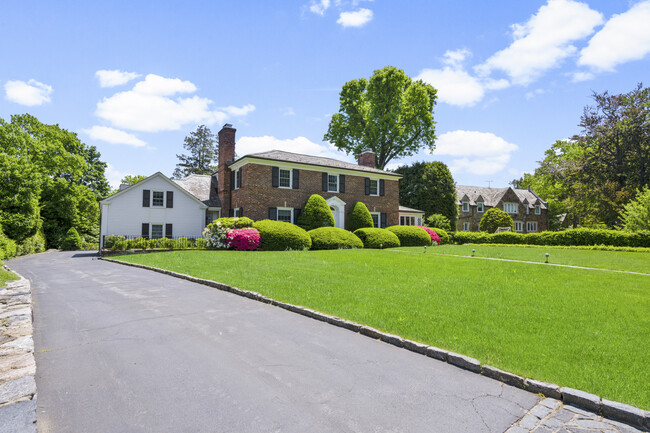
[(528, 211)]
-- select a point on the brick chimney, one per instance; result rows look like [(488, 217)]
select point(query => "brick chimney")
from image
[(226, 155), (367, 159)]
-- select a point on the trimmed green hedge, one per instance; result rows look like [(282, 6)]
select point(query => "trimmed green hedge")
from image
[(581, 236), (378, 238), (333, 238), (411, 236), (280, 236), (317, 213), (444, 236), (234, 222), (71, 241), (359, 217)]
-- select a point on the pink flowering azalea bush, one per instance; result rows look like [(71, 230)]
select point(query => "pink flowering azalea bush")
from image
[(434, 236), (243, 239)]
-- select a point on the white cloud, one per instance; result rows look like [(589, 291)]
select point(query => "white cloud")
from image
[(112, 135), (114, 77), (29, 93), (247, 145), (577, 77), (530, 95), (543, 41), (152, 105), (624, 37), (479, 152), (319, 7), (455, 86), (355, 19)]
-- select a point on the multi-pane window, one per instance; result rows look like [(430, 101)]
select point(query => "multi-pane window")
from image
[(374, 187), (332, 183), (510, 207), (285, 178), (538, 210), (236, 212), (285, 215), (519, 226), (156, 231), (375, 219), (158, 198), (465, 206), (237, 179), (466, 227), (531, 226), (407, 220), (479, 206)]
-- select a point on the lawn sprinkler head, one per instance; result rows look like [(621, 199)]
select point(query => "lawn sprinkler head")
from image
[(381, 246), (473, 251), (425, 248), (547, 254)]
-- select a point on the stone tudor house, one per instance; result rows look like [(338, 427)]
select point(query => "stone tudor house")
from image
[(528, 211), (273, 185)]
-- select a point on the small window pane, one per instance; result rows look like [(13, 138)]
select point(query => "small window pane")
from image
[(519, 226), (156, 231), (373, 187), (284, 215), (465, 206), (158, 199), (375, 219), (538, 210), (332, 183), (479, 206), (285, 178)]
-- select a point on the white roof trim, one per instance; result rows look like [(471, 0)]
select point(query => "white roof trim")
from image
[(335, 201)]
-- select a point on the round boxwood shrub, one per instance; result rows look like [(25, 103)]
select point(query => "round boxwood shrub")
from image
[(411, 236), (377, 238), (444, 236), (359, 217), (495, 218), (332, 238), (71, 241), (317, 213), (280, 236)]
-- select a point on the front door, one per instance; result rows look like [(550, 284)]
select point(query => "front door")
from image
[(338, 210)]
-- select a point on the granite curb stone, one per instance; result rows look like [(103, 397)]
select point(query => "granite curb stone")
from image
[(616, 411)]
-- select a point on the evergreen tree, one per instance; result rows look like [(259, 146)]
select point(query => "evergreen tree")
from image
[(202, 159)]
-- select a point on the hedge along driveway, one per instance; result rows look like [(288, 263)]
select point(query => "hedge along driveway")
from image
[(577, 328)]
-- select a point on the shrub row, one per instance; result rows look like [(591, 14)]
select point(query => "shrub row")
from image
[(411, 236), (280, 236), (444, 236), (9, 248), (333, 238), (377, 238), (120, 243), (573, 237)]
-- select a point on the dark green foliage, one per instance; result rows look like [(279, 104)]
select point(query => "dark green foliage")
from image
[(495, 218), (234, 222), (203, 148), (430, 187), (72, 240), (333, 238), (442, 234), (378, 238), (316, 213), (359, 217), (411, 236), (7, 247), (31, 245), (19, 196), (438, 220), (573, 237), (119, 243), (280, 236)]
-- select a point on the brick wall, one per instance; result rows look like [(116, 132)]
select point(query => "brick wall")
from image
[(474, 217)]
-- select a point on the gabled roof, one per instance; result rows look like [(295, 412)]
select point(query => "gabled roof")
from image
[(492, 196), (201, 186), (409, 210), (280, 155), (155, 175)]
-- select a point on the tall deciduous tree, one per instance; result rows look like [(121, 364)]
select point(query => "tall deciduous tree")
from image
[(203, 149), (132, 179), (429, 186), (389, 114)]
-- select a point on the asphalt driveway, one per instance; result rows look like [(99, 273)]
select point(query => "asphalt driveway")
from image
[(120, 349)]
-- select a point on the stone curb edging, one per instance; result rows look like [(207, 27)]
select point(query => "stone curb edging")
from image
[(17, 362), (610, 409)]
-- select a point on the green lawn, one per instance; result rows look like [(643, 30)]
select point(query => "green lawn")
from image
[(618, 260), (579, 328), (6, 276)]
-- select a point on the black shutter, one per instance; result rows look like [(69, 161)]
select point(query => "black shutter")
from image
[(145, 230), (341, 183), (238, 178), (168, 231), (232, 180), (295, 180), (367, 186), (324, 181), (381, 187), (170, 199), (241, 211), (383, 220), (275, 177), (146, 198), (231, 212), (273, 213), (296, 215)]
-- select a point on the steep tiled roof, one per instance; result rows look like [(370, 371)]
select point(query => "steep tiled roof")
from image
[(280, 155), (492, 196), (201, 186)]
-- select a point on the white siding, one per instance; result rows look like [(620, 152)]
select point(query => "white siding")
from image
[(123, 215)]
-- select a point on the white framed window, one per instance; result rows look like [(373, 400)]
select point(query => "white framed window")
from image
[(156, 231), (213, 215), (285, 214), (465, 206), (158, 198), (236, 212), (376, 219), (374, 187), (285, 178), (480, 207), (407, 220), (538, 209), (527, 210), (519, 226), (510, 207), (531, 226), (237, 179), (466, 227), (332, 183)]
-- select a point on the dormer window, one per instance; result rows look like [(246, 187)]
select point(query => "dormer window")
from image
[(465, 206), (538, 209), (479, 206)]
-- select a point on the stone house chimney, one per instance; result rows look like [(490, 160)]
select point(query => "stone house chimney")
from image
[(367, 159), (226, 156)]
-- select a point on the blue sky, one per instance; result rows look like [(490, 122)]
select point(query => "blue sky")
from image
[(135, 77)]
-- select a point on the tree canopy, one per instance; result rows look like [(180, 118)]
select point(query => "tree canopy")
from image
[(203, 149), (636, 214), (430, 187), (494, 218), (133, 179), (389, 114)]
